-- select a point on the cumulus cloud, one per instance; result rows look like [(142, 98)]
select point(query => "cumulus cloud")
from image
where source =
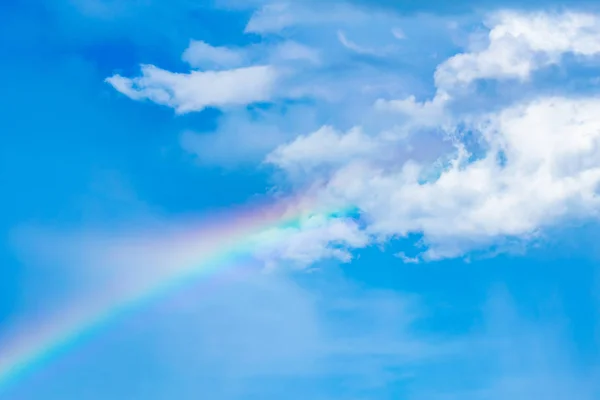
[(503, 174), (519, 44), (541, 164), (546, 172), (325, 146), (197, 90), (513, 171)]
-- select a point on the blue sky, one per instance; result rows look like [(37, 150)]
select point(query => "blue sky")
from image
[(464, 134)]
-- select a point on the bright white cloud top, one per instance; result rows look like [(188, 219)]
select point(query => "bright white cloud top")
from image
[(519, 44)]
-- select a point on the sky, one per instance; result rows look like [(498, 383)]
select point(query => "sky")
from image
[(337, 199)]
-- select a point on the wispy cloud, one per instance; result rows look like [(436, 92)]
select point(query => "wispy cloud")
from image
[(197, 90), (200, 54)]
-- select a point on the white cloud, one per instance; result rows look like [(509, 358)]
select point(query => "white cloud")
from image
[(519, 44), (551, 170), (221, 76), (197, 90), (325, 146), (309, 66), (517, 182), (317, 237), (200, 54), (533, 164)]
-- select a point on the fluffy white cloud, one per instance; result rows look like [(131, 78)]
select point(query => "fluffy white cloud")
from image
[(326, 150), (532, 164), (542, 163), (535, 162), (518, 44), (326, 146), (197, 90)]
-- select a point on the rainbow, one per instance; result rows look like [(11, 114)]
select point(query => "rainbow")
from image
[(193, 253)]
